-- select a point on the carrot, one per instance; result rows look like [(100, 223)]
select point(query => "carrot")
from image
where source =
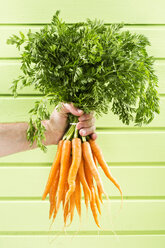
[(87, 154), (89, 178), (82, 177), (97, 201), (99, 192), (98, 153), (66, 184), (94, 212), (55, 213), (64, 168), (54, 167), (72, 206), (52, 193), (65, 190), (94, 158), (86, 189), (66, 213), (76, 159), (100, 195), (86, 197), (78, 196), (66, 209)]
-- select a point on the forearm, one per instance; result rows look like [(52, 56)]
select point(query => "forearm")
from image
[(13, 137)]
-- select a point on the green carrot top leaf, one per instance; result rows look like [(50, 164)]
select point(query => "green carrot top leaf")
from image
[(98, 67)]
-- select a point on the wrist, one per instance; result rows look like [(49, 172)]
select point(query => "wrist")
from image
[(52, 135)]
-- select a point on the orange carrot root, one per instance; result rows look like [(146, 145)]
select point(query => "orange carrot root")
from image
[(98, 153), (76, 159), (83, 180), (78, 196), (93, 208), (52, 194), (64, 169), (97, 201), (88, 157), (54, 168), (72, 206)]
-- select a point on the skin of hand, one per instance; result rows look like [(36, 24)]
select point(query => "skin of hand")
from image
[(57, 123), (13, 135)]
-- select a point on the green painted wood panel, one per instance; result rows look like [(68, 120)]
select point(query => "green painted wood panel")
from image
[(129, 11), (74, 241), (134, 180), (136, 215), (117, 146), (9, 70), (156, 36), (22, 105), (135, 156)]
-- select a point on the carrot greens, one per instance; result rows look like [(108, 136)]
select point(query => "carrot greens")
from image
[(98, 67)]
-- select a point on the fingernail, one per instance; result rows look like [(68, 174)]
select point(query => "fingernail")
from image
[(83, 132), (81, 118), (80, 111)]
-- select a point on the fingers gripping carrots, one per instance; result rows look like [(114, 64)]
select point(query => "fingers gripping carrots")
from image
[(75, 164)]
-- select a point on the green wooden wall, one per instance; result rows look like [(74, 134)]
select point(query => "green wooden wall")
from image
[(136, 156)]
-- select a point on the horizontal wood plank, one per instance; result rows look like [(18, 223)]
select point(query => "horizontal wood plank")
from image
[(10, 70), (117, 146), (74, 241), (33, 216), (134, 181), (156, 36), (111, 11), (16, 109)]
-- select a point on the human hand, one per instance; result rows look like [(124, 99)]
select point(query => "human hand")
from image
[(57, 124)]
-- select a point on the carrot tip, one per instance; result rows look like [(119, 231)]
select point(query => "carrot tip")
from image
[(43, 197), (65, 204), (106, 196)]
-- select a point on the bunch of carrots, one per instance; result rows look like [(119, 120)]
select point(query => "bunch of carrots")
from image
[(75, 164)]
